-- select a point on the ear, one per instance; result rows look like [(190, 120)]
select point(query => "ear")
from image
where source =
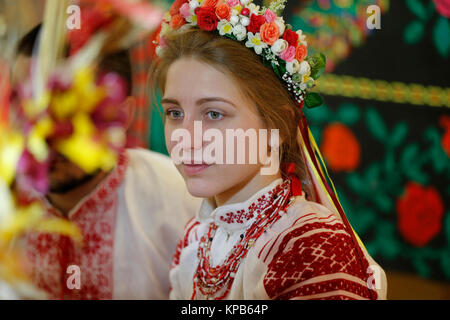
[(129, 106)]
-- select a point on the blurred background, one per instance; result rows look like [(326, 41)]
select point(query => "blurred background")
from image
[(384, 130)]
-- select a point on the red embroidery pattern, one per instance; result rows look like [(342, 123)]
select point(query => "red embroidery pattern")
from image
[(184, 242), (240, 216), (326, 250), (51, 254), (216, 281)]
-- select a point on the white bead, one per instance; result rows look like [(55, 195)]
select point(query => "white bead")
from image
[(245, 21)]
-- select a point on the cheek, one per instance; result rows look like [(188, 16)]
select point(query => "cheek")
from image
[(168, 135)]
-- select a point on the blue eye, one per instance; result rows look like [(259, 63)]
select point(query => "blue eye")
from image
[(214, 115), (174, 114)]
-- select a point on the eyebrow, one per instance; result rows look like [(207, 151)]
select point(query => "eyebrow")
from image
[(200, 101)]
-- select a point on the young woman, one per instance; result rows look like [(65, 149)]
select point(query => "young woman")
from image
[(256, 236)]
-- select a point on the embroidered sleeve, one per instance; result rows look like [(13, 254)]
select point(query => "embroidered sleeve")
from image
[(316, 259)]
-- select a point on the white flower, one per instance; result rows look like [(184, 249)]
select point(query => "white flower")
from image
[(192, 20), (304, 68), (281, 25), (245, 2), (302, 38), (234, 20), (293, 66), (224, 27), (193, 4), (245, 21), (240, 32), (279, 46), (254, 41), (254, 9)]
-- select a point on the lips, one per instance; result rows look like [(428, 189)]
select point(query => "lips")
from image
[(193, 169)]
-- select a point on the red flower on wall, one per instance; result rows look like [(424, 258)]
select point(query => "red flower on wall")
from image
[(445, 123), (340, 148), (420, 212), (443, 7)]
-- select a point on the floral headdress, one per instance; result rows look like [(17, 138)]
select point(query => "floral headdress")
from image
[(260, 29)]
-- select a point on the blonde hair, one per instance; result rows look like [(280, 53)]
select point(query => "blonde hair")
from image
[(257, 82)]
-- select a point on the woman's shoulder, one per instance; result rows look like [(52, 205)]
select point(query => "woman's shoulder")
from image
[(312, 254)]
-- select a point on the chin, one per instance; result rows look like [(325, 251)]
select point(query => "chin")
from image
[(202, 187)]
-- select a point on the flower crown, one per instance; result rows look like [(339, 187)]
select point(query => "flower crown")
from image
[(261, 29)]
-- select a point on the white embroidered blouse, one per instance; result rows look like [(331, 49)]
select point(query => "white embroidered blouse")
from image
[(306, 254)]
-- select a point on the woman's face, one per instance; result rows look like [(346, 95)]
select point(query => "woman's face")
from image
[(198, 92)]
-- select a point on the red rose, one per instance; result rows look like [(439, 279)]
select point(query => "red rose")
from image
[(291, 37), (420, 212), (175, 7), (206, 18), (340, 148), (256, 21)]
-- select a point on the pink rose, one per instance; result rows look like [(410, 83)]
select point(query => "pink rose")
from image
[(443, 7), (289, 54), (270, 15), (185, 10), (232, 3)]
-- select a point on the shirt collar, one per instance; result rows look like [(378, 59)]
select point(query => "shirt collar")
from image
[(104, 189), (233, 216)]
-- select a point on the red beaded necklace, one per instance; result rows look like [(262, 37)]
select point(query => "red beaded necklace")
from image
[(211, 279)]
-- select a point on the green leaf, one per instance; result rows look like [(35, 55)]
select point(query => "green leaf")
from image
[(445, 263), (319, 115), (421, 267), (317, 133), (348, 114), (355, 183), (276, 70), (417, 7), (376, 125), (447, 227), (389, 162), (231, 36), (399, 134), (441, 36), (413, 32), (435, 154), (373, 176), (364, 220), (317, 62), (385, 234), (383, 202), (313, 100), (409, 155)]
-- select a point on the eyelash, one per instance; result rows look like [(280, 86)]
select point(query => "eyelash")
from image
[(170, 112)]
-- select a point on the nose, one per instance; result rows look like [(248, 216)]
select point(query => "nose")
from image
[(194, 127)]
